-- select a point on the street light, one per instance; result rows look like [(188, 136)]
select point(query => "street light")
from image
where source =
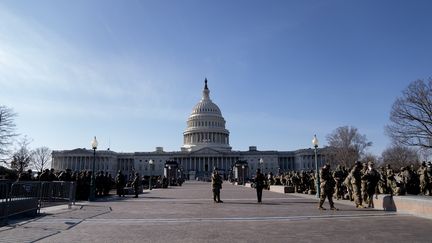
[(169, 176), (315, 144), (94, 145), (243, 167), (261, 161), (151, 168)]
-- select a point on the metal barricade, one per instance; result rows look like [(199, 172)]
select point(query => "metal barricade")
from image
[(27, 197), (57, 192), (24, 198)]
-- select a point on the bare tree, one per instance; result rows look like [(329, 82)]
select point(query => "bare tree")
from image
[(347, 145), (411, 116), (400, 156), (368, 157), (41, 158), (21, 158), (7, 131)]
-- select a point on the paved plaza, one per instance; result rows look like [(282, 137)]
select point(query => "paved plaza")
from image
[(188, 214)]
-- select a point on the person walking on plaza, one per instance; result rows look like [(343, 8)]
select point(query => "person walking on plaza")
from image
[(216, 186), (259, 184), (327, 185), (136, 184)]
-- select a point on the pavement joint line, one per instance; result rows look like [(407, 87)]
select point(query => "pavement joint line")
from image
[(229, 219), (143, 199)]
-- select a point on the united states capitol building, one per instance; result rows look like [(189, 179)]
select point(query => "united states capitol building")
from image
[(205, 146)]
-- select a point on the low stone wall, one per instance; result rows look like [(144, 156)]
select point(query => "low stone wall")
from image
[(420, 206), (282, 189), (417, 205)]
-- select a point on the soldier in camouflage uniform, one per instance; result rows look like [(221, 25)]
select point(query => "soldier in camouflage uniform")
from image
[(391, 181), (216, 186), (355, 176), (423, 177), (136, 183), (371, 177), (382, 184), (429, 173), (415, 183), (364, 182), (120, 181), (338, 176), (327, 185)]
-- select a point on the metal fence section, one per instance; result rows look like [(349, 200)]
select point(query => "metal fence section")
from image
[(28, 197), (57, 192)]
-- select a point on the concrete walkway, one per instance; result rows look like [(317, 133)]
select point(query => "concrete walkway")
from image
[(188, 214)]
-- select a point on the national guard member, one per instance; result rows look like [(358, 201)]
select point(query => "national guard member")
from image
[(216, 186), (327, 187), (429, 176), (372, 177), (338, 176), (136, 184), (391, 181), (120, 184), (355, 176)]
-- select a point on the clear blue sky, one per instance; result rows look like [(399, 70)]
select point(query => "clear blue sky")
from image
[(130, 72)]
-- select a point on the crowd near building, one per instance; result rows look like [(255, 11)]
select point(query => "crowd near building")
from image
[(205, 147)]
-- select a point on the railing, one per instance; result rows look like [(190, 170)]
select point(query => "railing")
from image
[(28, 197)]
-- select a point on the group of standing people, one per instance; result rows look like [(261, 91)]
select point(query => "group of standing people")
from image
[(359, 184), (121, 183), (103, 180), (362, 182)]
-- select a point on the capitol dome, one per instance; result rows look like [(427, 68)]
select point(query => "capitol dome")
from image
[(206, 126)]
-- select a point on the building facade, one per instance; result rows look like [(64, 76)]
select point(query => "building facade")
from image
[(205, 147)]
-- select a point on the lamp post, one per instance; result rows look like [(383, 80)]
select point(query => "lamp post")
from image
[(243, 170), (261, 162), (151, 169), (169, 176), (94, 145), (315, 144)]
